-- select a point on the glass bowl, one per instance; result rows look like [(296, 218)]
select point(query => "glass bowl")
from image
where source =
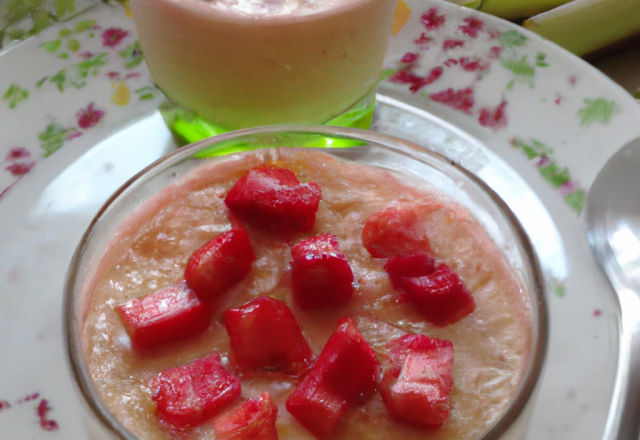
[(350, 145)]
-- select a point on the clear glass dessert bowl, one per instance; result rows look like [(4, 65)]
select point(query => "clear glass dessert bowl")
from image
[(339, 152)]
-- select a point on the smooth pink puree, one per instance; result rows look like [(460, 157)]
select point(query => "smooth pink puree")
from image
[(151, 250), (249, 63)]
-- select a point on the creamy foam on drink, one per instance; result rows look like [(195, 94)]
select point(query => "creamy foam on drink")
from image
[(271, 8), (249, 63)]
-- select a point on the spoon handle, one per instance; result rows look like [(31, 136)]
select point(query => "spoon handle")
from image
[(623, 422), (612, 217)]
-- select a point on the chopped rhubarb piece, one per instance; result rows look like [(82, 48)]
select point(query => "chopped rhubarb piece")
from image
[(168, 315), (441, 298), (416, 380), (264, 334), (395, 231), (320, 273), (191, 394), (219, 264), (406, 266), (346, 369), (273, 199), (255, 419)]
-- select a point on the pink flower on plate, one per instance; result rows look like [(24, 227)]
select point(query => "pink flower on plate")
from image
[(462, 99), (495, 52), (452, 44), (423, 41), (17, 153), (46, 423), (89, 117), (409, 57), (20, 168), (74, 134), (472, 27), (111, 37), (405, 77), (542, 161), (432, 20), (416, 82), (494, 118), (568, 187), (474, 64)]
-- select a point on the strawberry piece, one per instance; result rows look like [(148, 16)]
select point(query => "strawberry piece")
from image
[(255, 419), (168, 315), (409, 266), (219, 264), (320, 273), (273, 199), (264, 334), (191, 394), (346, 369), (441, 298), (393, 232), (417, 379)]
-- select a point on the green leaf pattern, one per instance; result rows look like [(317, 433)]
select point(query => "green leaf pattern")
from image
[(597, 110), (51, 46), (512, 39), (558, 176), (76, 75), (22, 19), (67, 39), (521, 68), (132, 55), (147, 93), (53, 137), (15, 95)]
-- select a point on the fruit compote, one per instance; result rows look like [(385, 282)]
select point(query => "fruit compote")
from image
[(342, 301)]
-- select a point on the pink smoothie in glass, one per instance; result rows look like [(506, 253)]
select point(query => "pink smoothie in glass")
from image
[(491, 345), (245, 63)]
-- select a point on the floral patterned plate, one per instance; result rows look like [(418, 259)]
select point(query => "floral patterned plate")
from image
[(78, 112)]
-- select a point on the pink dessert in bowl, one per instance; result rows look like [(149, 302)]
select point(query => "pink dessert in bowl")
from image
[(376, 291)]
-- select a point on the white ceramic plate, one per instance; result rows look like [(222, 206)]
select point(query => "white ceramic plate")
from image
[(78, 116)]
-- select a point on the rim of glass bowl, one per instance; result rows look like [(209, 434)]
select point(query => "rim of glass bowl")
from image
[(72, 335)]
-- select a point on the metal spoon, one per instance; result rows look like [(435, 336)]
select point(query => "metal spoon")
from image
[(613, 230)]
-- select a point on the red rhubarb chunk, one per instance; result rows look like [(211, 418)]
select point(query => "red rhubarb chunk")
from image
[(320, 273), (416, 380), (273, 199), (255, 419), (409, 266), (168, 315), (395, 231), (219, 264), (264, 334), (441, 298), (191, 394), (346, 369)]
